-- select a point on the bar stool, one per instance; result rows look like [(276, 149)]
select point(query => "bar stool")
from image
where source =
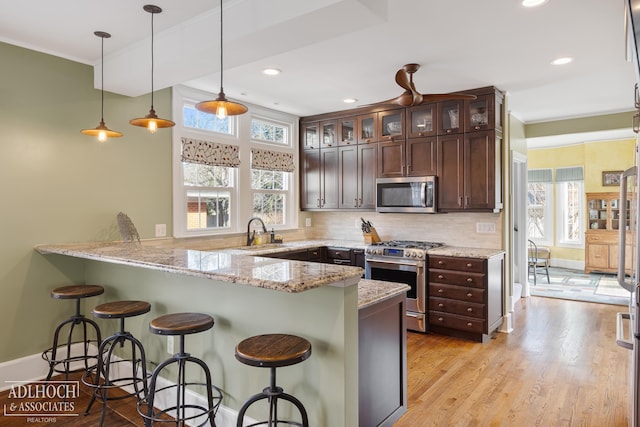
[(118, 310), (51, 355), (180, 324), (273, 351)]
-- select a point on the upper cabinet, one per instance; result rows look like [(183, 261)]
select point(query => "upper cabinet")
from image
[(422, 120), (310, 133), (367, 128), (485, 112), (391, 125), (450, 117), (329, 134), (348, 131)]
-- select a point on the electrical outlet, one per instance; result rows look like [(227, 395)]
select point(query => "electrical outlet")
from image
[(357, 223), (307, 222), (170, 344), (161, 230), (485, 227)]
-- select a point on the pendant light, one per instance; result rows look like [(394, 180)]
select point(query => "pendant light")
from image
[(151, 121), (221, 106), (102, 131)]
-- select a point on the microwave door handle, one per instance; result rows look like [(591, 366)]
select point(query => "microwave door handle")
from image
[(622, 230), (423, 194)]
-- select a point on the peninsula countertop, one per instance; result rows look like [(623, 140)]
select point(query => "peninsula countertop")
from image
[(235, 265)]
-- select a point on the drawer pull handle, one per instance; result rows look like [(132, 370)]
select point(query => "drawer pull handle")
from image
[(440, 262), (440, 291), (440, 319), (469, 279), (470, 310), (440, 276), (469, 324), (469, 264), (441, 305), (469, 294)]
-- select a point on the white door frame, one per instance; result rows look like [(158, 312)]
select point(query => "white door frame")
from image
[(519, 271)]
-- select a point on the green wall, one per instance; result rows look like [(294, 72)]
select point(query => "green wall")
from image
[(61, 186)]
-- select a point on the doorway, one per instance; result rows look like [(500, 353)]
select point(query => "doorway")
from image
[(519, 220)]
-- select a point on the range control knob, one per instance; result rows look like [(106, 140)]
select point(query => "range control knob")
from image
[(420, 255)]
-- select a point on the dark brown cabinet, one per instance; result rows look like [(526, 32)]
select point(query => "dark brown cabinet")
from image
[(367, 125), (310, 136), (328, 134), (319, 179), (485, 112), (465, 296), (469, 172), (357, 176), (348, 131), (450, 117), (422, 120), (391, 125), (391, 159), (422, 156)]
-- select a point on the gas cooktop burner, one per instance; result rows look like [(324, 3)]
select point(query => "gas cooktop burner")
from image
[(409, 244)]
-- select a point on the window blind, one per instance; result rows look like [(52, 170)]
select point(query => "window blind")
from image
[(272, 160), (209, 153)]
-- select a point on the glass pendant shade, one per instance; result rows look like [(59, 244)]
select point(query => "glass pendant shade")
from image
[(151, 121), (221, 106), (102, 131)]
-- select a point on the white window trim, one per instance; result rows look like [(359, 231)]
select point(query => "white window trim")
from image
[(242, 211), (548, 216)]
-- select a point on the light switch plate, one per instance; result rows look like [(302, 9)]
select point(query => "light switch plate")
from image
[(161, 230), (485, 228), (307, 222)]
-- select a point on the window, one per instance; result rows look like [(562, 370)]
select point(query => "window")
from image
[(227, 171), (540, 206), (570, 201)]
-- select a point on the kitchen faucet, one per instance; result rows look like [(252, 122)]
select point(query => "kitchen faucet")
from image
[(252, 236)]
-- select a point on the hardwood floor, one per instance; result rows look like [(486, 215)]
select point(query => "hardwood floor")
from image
[(560, 367)]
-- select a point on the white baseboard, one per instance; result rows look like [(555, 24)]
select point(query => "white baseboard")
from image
[(34, 368), (567, 263)]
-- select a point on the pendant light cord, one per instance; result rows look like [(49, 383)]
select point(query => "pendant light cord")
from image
[(221, 50), (152, 61), (102, 81)]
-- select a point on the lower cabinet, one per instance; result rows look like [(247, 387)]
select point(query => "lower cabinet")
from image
[(465, 296), (602, 251)]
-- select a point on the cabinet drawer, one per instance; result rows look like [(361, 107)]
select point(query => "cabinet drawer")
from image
[(338, 253), (459, 264), (457, 307), (454, 321), (456, 278), (456, 292)]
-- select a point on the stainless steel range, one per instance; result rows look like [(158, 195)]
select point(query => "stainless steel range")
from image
[(403, 261)]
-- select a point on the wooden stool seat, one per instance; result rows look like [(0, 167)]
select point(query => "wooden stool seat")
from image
[(77, 291), (121, 309), (180, 324), (273, 350)]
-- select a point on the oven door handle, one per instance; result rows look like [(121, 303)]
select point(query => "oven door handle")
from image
[(386, 262)]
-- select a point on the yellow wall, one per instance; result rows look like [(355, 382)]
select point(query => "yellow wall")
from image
[(596, 157)]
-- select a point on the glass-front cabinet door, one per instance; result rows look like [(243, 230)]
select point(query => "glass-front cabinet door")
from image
[(310, 136), (391, 125), (450, 117), (479, 113), (328, 132), (347, 131), (598, 214), (421, 120), (367, 128)]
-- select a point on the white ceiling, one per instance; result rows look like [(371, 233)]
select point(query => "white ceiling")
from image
[(332, 49)]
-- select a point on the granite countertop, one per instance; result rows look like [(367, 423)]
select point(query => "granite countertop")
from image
[(371, 292), (461, 251), (234, 265)]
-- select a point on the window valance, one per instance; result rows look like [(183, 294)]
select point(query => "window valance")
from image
[(209, 153), (272, 160), (540, 175), (569, 174)]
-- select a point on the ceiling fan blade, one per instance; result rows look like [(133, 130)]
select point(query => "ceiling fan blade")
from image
[(403, 80), (434, 97)]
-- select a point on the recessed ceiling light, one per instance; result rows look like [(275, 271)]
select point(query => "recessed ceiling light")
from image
[(349, 100), (533, 3), (271, 71), (562, 61)]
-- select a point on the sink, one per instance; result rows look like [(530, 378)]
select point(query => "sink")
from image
[(261, 247)]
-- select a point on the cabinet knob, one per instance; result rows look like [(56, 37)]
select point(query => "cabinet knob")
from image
[(469, 294), (440, 319), (477, 127), (441, 305), (440, 290), (355, 202), (469, 324), (440, 262), (469, 264), (469, 280), (469, 310), (440, 276)]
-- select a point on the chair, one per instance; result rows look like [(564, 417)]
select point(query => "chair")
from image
[(538, 259)]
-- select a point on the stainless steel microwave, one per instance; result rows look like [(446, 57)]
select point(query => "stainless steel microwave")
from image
[(406, 194)]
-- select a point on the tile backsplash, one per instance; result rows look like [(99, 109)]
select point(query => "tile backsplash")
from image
[(455, 229)]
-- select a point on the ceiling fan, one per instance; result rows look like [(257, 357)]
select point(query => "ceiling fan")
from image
[(411, 97)]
